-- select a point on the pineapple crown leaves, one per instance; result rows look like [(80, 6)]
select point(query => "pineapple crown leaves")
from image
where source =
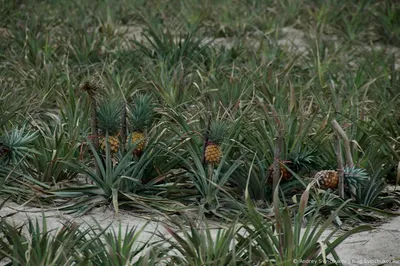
[(303, 159), (142, 112), (355, 175), (218, 131), (16, 144), (109, 115), (18, 138)]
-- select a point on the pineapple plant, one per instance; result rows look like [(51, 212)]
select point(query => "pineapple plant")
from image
[(329, 179), (109, 122), (141, 117), (16, 146), (213, 152), (298, 161)]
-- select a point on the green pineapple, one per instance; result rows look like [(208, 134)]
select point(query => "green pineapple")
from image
[(216, 135), (109, 122), (141, 117)]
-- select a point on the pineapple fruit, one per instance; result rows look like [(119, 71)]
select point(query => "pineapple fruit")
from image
[(285, 175), (213, 152), (329, 179), (141, 117), (109, 122), (113, 142), (137, 138)]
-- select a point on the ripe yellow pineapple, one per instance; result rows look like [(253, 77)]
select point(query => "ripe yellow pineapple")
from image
[(141, 117), (138, 138), (113, 141), (109, 118), (327, 179), (213, 152)]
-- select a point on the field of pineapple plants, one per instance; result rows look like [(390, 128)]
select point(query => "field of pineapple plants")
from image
[(254, 132)]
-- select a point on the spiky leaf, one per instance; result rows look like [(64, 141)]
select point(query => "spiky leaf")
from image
[(355, 176), (109, 115), (218, 130), (142, 112), (16, 145)]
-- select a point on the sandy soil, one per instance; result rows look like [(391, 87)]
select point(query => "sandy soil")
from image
[(380, 246)]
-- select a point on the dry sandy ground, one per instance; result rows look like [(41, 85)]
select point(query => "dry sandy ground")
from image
[(376, 247)]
